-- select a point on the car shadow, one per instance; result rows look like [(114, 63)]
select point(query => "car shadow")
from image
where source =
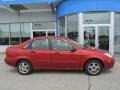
[(58, 72), (107, 72), (14, 70)]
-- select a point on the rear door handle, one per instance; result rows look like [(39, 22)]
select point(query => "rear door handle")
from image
[(32, 52)]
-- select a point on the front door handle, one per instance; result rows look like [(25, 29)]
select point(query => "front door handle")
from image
[(56, 53)]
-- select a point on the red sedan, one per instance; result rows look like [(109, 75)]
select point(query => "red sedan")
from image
[(57, 53)]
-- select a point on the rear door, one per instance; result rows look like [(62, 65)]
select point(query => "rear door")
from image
[(39, 52)]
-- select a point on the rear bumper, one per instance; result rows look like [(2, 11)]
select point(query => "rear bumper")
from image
[(9, 62)]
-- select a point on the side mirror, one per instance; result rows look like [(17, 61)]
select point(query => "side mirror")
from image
[(73, 50)]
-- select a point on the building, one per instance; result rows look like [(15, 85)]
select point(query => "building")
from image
[(21, 20), (89, 22)]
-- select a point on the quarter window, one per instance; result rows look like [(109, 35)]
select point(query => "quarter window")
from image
[(60, 45)]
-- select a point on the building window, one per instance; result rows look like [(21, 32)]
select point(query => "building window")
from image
[(4, 34), (43, 25), (72, 27), (96, 18), (117, 32), (12, 34), (43, 29), (62, 26), (25, 31), (71, 24)]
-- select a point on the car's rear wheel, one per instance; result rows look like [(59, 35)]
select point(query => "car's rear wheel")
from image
[(24, 67), (93, 67)]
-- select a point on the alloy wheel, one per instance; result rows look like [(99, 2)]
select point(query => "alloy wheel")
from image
[(93, 67), (24, 67)]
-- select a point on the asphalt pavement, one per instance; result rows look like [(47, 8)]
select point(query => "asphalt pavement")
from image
[(58, 80)]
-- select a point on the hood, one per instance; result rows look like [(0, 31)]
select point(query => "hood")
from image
[(95, 49)]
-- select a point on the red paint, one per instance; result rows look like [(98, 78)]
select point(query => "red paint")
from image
[(50, 59)]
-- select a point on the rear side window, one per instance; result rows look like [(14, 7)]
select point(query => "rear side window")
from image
[(40, 44)]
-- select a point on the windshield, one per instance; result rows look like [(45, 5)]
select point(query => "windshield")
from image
[(82, 46)]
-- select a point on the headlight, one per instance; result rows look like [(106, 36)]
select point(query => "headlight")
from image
[(107, 54)]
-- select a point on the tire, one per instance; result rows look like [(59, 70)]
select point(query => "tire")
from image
[(93, 67), (24, 67)]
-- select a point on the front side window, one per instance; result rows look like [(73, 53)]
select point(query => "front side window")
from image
[(40, 44), (60, 45)]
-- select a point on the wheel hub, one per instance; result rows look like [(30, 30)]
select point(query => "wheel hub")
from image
[(93, 68)]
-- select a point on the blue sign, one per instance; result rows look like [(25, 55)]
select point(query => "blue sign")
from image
[(24, 1), (79, 6)]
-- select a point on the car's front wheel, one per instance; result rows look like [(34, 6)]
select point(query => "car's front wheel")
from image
[(24, 67), (93, 67)]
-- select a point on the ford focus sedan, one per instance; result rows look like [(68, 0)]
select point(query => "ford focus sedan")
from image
[(57, 53)]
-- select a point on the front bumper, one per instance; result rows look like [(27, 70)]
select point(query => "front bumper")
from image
[(110, 63)]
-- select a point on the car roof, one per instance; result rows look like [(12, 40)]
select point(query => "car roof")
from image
[(49, 37)]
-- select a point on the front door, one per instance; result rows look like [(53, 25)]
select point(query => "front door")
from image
[(62, 57), (97, 36)]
